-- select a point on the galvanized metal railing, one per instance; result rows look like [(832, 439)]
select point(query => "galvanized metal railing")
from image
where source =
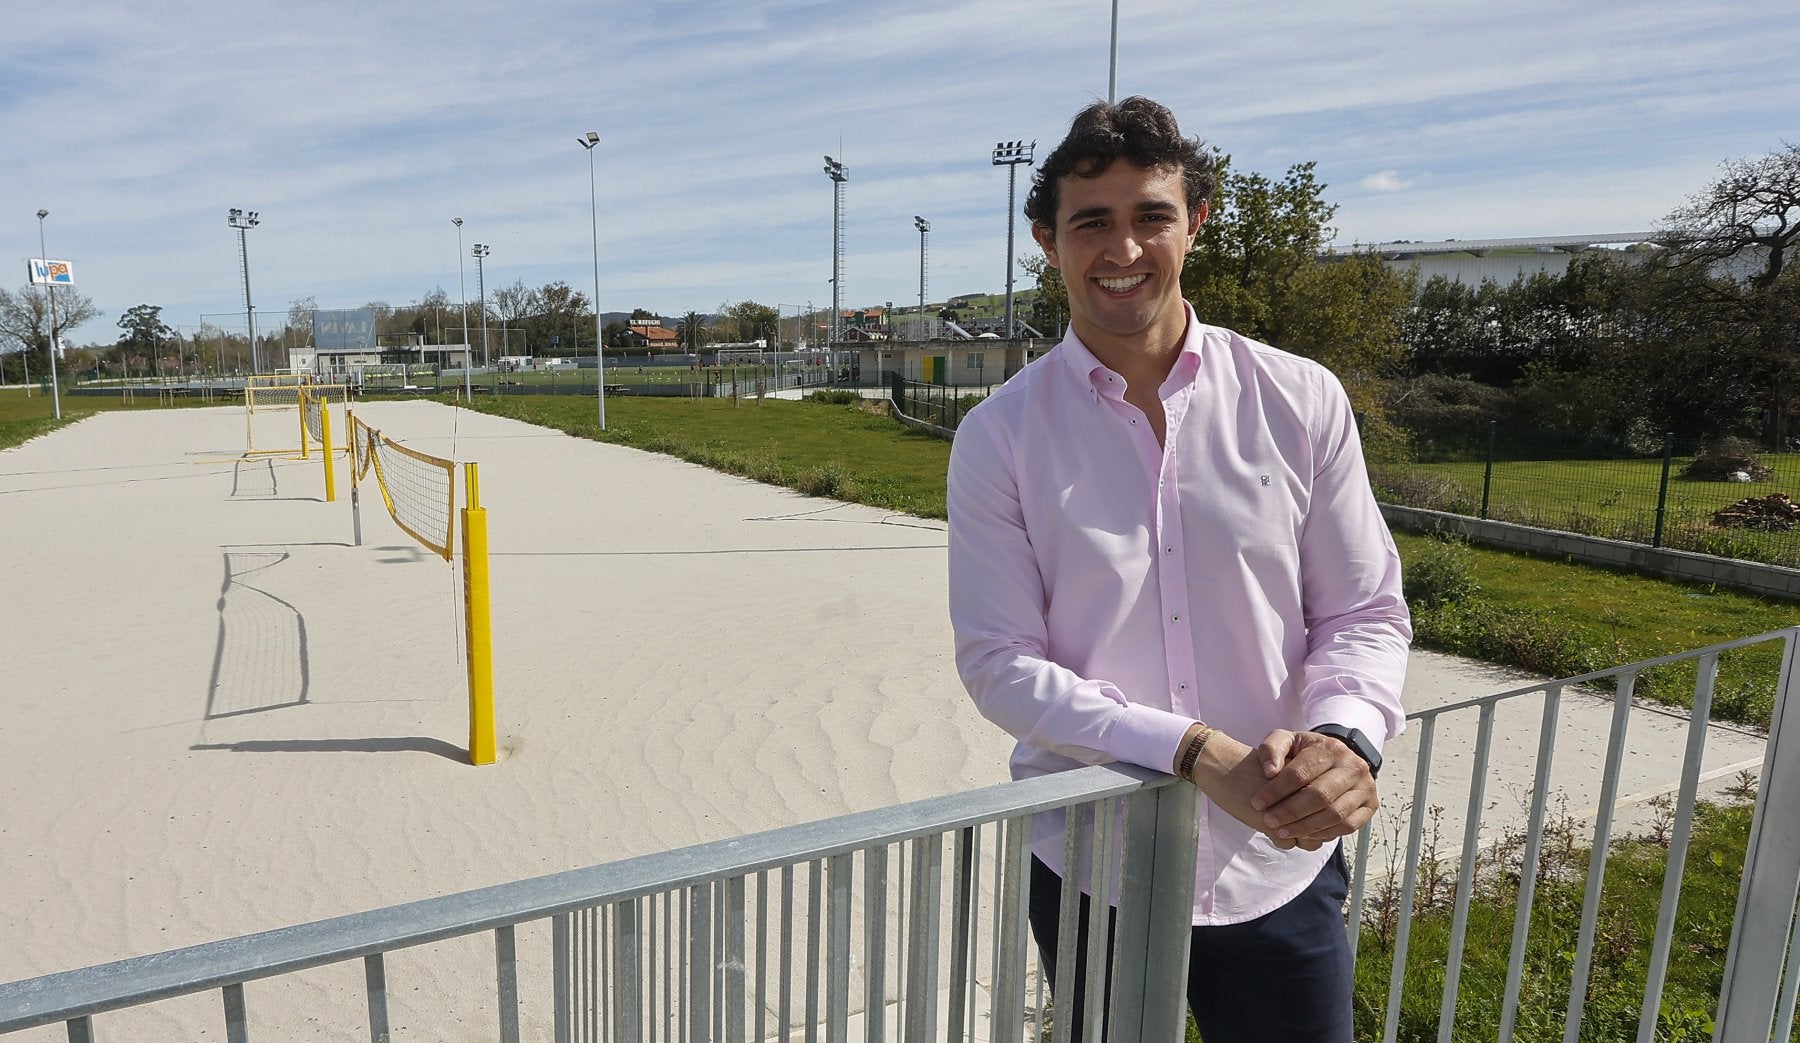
[(743, 939), (909, 923), (1762, 971)]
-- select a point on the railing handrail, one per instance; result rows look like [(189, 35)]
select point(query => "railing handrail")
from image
[(1613, 671), (82, 992)]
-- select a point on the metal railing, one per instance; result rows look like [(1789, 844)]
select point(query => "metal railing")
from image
[(752, 938), (908, 922), (1758, 980)]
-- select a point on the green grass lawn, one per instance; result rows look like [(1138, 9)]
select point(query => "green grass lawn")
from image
[(840, 451), (1616, 499), (24, 416), (1561, 618)]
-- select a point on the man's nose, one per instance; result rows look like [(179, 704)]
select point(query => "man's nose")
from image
[(1124, 249)]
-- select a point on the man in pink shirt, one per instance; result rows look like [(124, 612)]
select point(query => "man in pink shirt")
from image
[(1164, 550)]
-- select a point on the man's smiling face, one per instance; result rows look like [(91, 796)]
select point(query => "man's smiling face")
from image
[(1119, 241)]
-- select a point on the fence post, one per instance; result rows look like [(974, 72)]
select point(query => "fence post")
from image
[(1662, 488), (1156, 906), (1750, 996), (1487, 475)]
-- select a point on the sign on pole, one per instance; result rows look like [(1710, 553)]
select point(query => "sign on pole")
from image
[(45, 272)]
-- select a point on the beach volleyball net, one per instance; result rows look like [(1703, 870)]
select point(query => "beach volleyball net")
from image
[(288, 419), (419, 491)]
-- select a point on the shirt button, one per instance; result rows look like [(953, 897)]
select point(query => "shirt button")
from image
[(1168, 550), (1176, 617), (1134, 423), (1184, 686)]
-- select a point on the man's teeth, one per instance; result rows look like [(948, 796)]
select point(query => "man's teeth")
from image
[(1123, 284)]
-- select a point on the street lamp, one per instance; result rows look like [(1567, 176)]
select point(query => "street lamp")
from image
[(588, 141), (55, 393), (243, 222), (1010, 154), (481, 252), (462, 284), (838, 174), (924, 228)]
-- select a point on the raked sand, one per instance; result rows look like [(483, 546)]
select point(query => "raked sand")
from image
[(218, 716)]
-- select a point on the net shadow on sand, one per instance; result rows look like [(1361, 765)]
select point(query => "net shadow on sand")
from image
[(390, 744), (260, 662)]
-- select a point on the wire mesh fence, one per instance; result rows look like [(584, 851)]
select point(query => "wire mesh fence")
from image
[(1729, 498)]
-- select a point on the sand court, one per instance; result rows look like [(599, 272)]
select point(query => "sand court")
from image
[(221, 716)]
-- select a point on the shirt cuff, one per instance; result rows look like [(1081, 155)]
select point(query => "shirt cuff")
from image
[(1147, 736), (1351, 712)]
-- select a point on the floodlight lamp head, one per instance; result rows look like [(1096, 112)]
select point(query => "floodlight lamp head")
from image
[(593, 138), (457, 221), (43, 214), (230, 215), (252, 219)]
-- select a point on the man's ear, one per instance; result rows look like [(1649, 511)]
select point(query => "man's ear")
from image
[(1046, 240), (1196, 219)]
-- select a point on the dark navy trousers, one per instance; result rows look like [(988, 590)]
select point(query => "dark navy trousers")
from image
[(1284, 977)]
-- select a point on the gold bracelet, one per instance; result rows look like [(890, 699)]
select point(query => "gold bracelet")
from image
[(1192, 754)]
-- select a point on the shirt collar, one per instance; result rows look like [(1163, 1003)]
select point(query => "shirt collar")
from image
[(1094, 373)]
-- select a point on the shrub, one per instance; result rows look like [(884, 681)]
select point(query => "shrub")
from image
[(835, 397), (1444, 572), (1423, 489)]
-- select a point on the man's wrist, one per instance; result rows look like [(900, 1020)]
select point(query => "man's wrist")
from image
[(1356, 742)]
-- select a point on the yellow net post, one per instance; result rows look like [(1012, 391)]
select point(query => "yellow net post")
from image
[(325, 449), (475, 607)]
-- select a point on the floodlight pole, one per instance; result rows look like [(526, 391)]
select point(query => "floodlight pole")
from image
[(1010, 154), (838, 174), (243, 222), (1112, 65), (924, 228), (588, 141), (55, 394), (462, 283), (481, 254)]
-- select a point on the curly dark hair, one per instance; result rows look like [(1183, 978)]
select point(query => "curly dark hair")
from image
[(1138, 130)]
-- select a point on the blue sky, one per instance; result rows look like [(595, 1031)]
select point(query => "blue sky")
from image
[(359, 130)]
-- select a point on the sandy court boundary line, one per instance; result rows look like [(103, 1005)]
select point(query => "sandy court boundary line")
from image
[(228, 719)]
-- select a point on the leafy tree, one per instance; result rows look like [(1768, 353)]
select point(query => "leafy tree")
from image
[(144, 334), (1726, 262), (1346, 313), (1050, 308), (25, 321), (1259, 235)]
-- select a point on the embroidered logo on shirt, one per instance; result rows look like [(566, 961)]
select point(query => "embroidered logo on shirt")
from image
[(1265, 480)]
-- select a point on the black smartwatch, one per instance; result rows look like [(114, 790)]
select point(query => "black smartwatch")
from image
[(1358, 742)]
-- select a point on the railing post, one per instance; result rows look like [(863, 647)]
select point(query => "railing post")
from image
[(1765, 910), (1487, 475), (1662, 488), (1156, 913)]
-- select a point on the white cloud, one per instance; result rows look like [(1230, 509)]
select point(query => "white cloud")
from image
[(1385, 181)]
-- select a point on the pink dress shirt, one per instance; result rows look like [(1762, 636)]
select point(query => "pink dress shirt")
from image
[(1106, 592)]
